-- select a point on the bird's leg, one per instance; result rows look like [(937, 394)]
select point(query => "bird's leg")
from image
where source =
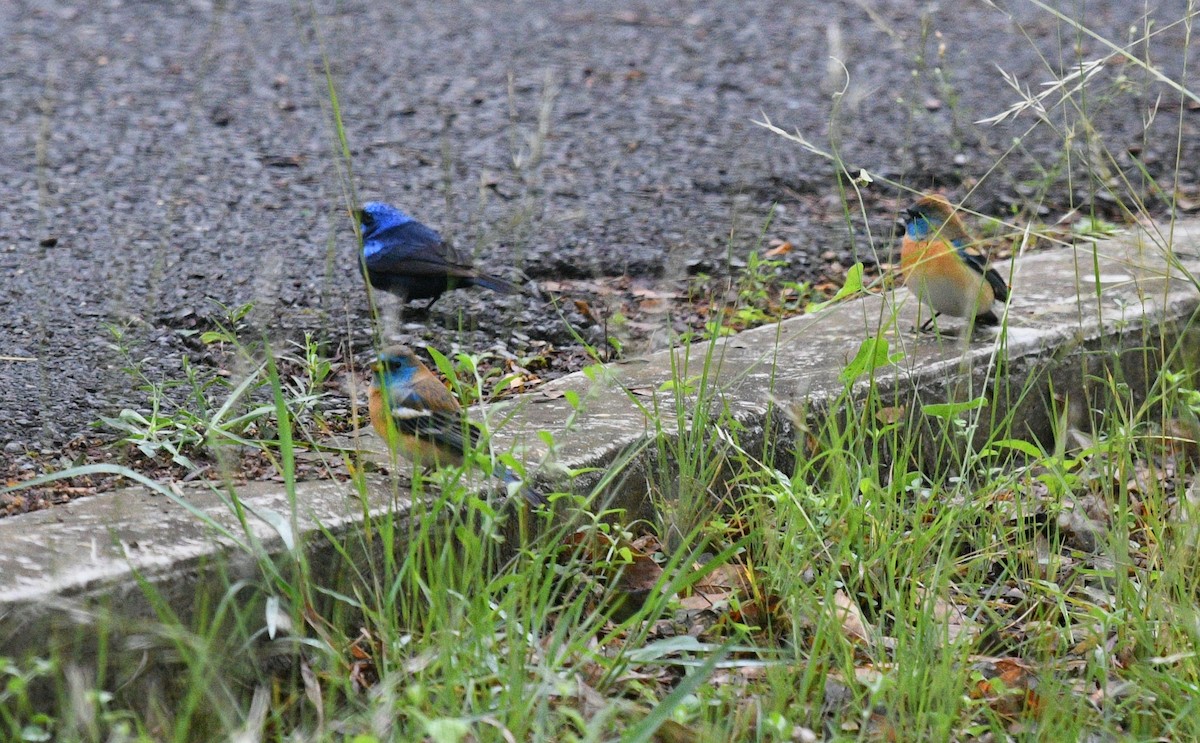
[(421, 311), (927, 326)]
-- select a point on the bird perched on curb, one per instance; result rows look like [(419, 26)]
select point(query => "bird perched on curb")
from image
[(938, 268), (412, 261), (419, 418)]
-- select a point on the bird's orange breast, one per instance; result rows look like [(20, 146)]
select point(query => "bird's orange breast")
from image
[(927, 256), (940, 277), (379, 412)]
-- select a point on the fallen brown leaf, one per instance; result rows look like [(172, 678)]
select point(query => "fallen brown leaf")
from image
[(645, 292), (853, 623), (958, 624), (1015, 692), (641, 574), (781, 249), (585, 309), (705, 601)]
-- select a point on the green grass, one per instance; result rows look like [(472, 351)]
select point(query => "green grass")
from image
[(822, 579), (877, 569), (843, 596)]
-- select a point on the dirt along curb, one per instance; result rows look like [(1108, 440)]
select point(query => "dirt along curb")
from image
[(1076, 315)]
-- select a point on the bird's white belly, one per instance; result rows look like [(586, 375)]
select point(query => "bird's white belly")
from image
[(946, 295)]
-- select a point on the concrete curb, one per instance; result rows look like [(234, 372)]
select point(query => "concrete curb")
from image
[(59, 561)]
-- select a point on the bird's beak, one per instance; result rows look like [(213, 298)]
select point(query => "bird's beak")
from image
[(902, 221)]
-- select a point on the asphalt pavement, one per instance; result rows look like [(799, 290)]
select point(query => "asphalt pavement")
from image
[(164, 161)]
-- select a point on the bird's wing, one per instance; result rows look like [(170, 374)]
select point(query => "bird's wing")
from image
[(428, 410), (441, 427), (407, 238), (412, 248), (418, 266), (979, 264)]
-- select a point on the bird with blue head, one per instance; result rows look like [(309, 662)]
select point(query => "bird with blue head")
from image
[(420, 419), (406, 258), (939, 267)]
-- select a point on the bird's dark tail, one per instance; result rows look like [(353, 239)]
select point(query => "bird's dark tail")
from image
[(496, 284), (999, 288), (531, 494), (987, 318)]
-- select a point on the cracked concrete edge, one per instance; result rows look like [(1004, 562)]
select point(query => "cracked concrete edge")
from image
[(94, 549), (1056, 311), (64, 567)]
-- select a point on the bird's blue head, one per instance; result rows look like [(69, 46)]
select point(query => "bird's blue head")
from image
[(919, 224), (376, 216), (933, 216), (396, 366)]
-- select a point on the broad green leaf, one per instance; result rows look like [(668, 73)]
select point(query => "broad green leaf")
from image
[(951, 409), (1022, 446), (853, 285), (872, 354)]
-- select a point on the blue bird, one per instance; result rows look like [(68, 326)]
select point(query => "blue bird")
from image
[(419, 418), (412, 261)]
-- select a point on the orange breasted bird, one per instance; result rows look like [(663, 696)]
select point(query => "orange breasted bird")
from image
[(422, 420), (938, 268)]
